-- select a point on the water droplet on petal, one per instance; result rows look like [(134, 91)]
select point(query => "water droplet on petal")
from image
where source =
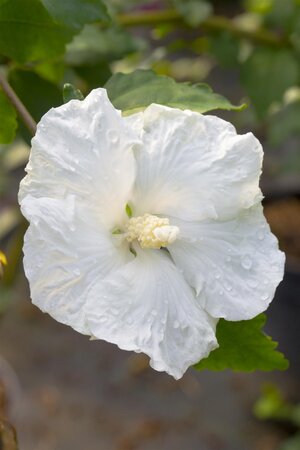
[(228, 258), (154, 312), (247, 262), (265, 296), (217, 276), (252, 283), (227, 286), (176, 324), (261, 235), (113, 136)]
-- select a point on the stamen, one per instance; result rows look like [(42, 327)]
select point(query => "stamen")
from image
[(151, 231)]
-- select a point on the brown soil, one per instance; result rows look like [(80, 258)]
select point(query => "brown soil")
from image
[(284, 219)]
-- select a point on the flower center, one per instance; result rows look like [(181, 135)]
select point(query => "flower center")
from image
[(151, 231)]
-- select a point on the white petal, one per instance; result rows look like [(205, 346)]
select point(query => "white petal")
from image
[(84, 148), (234, 266), (147, 306), (66, 248), (193, 166)]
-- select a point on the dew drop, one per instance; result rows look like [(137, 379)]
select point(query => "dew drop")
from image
[(154, 312), (176, 324), (227, 286), (265, 296), (113, 136), (129, 320), (260, 235), (246, 262), (221, 292), (228, 259), (253, 283), (217, 276)]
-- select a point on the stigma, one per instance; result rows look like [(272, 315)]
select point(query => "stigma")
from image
[(151, 231)]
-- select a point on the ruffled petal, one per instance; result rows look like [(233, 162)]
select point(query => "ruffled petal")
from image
[(147, 306), (66, 248), (84, 148), (234, 266), (193, 166)]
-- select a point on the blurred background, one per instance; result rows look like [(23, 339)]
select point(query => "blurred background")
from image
[(59, 390)]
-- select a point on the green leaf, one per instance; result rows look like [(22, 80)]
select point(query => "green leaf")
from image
[(135, 91), (94, 75), (76, 13), (225, 48), (285, 123), (243, 346), (267, 74), (70, 92), (94, 45), (272, 405), (28, 33), (37, 94), (193, 11), (8, 120)]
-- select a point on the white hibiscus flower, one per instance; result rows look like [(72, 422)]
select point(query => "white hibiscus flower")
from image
[(197, 247)]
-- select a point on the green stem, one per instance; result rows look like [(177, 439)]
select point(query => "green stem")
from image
[(212, 24), (16, 102)]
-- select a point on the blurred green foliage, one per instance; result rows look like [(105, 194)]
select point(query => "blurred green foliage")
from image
[(274, 407), (85, 41), (45, 44)]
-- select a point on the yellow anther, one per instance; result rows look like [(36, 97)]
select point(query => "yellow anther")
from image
[(151, 231)]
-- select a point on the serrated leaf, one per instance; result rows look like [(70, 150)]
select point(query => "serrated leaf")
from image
[(70, 92), (76, 13), (267, 74), (28, 32), (135, 91), (8, 120), (243, 346)]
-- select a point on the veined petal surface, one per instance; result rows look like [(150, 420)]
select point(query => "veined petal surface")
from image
[(147, 306), (84, 148), (234, 265), (66, 248), (193, 166)]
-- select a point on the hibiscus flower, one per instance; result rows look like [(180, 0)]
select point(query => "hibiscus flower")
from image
[(145, 230)]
